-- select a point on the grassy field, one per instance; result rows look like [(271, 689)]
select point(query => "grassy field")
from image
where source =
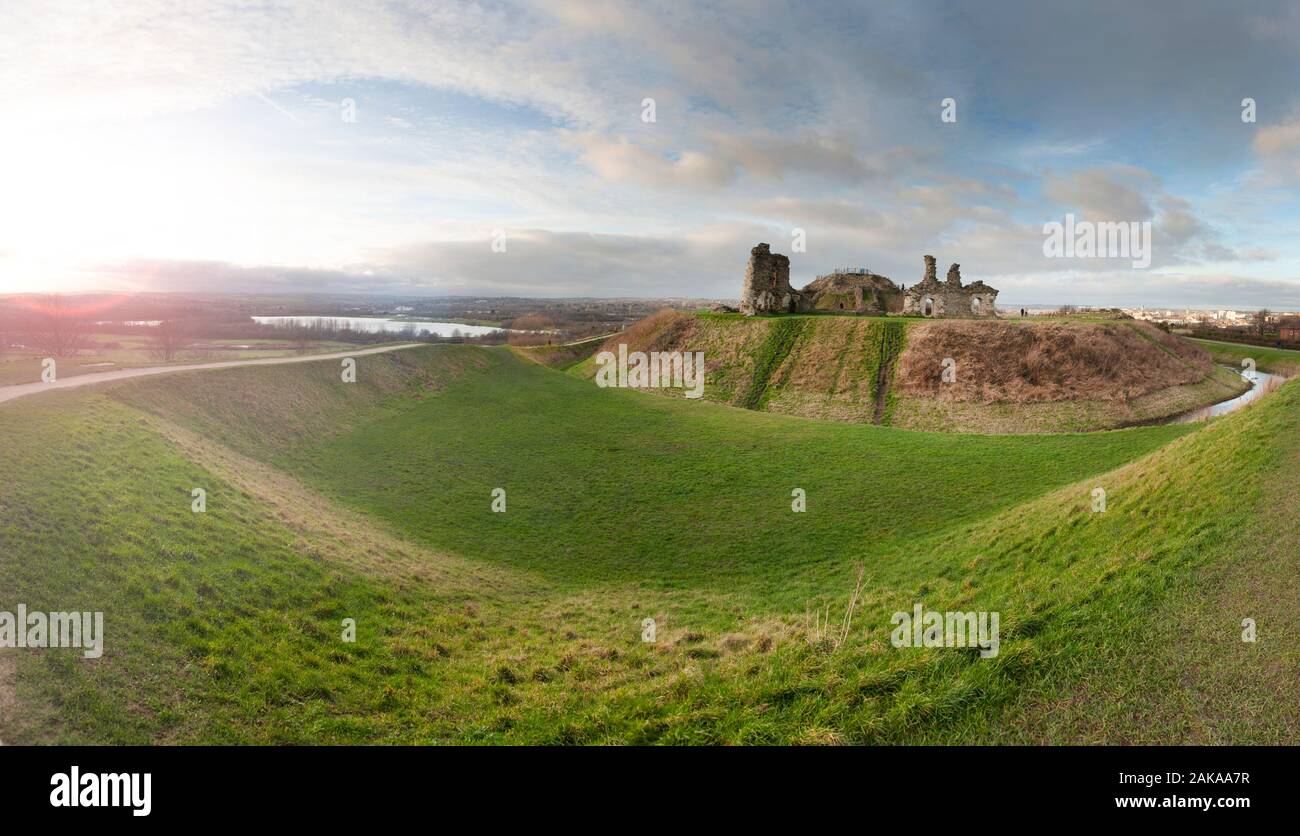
[(116, 351), (1274, 360), (373, 501)]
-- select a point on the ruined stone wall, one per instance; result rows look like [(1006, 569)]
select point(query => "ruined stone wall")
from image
[(767, 285), (949, 299), (950, 303)]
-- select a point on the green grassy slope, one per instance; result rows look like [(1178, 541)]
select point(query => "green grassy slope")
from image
[(1015, 377), (561, 357), (219, 626), (328, 500), (1274, 360), (687, 492)]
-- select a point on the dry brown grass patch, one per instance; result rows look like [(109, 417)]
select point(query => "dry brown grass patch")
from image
[(663, 331), (1016, 363)]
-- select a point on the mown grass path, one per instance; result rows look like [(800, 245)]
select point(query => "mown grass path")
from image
[(8, 393)]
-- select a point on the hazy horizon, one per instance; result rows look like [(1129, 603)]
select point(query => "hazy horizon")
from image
[(413, 297)]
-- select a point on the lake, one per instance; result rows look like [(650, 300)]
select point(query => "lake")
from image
[(376, 324)]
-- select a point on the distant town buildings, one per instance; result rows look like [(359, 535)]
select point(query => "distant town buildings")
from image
[(1191, 317), (1280, 328)]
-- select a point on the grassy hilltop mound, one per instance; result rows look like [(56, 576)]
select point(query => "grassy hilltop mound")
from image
[(1010, 377), (372, 501)]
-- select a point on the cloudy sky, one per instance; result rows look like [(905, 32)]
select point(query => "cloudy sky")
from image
[(384, 147)]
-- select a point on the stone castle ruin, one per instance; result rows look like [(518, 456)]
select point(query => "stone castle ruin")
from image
[(949, 298), (767, 290)]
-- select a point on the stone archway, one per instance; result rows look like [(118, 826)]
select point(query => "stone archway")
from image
[(975, 305), (929, 306)]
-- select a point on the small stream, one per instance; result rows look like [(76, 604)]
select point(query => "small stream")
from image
[(1261, 384)]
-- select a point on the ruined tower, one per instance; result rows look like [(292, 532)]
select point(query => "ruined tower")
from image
[(767, 284)]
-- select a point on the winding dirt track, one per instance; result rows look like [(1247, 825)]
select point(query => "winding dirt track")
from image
[(9, 393)]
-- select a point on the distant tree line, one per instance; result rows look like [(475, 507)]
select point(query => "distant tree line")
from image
[(1263, 330), (56, 326)]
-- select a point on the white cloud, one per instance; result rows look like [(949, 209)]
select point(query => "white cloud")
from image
[(1112, 193), (1278, 148)]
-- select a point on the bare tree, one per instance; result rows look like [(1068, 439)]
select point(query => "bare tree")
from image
[(1261, 321), (167, 340), (57, 327), (301, 339), (532, 329)]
